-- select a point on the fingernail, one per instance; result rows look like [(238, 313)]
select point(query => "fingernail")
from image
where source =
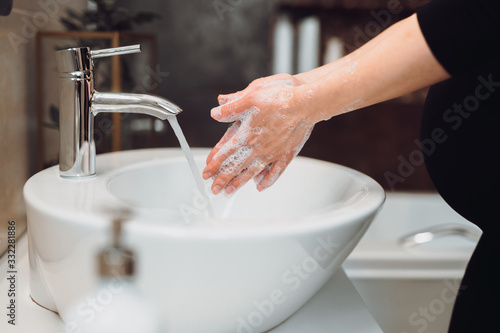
[(216, 112), (222, 99), (258, 178), (230, 189), (207, 175), (216, 189), (261, 188)]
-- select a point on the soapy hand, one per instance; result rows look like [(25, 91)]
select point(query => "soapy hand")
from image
[(270, 126)]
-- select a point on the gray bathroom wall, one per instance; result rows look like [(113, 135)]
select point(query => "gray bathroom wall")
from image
[(207, 47)]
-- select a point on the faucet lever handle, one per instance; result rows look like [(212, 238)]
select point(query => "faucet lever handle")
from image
[(115, 51)]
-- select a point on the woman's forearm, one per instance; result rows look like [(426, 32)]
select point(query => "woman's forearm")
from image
[(396, 62), (274, 116)]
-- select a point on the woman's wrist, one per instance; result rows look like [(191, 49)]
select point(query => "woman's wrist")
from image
[(335, 92), (309, 98)]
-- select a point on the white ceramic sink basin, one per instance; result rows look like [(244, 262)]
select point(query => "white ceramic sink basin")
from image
[(247, 270)]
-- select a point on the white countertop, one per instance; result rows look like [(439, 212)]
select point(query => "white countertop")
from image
[(337, 306)]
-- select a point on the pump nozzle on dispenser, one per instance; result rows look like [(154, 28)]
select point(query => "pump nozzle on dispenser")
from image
[(116, 260), (126, 310)]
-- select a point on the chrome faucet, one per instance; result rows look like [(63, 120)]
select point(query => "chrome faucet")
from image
[(79, 102)]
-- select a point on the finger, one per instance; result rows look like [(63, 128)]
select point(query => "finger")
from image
[(230, 166), (231, 111), (224, 99), (278, 79), (244, 176), (272, 176), (228, 135), (224, 151), (229, 98), (261, 175)]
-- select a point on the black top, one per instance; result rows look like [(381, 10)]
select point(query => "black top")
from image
[(461, 33), (464, 35), (460, 136)]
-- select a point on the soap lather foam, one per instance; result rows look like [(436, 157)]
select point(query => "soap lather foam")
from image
[(237, 159), (243, 153)]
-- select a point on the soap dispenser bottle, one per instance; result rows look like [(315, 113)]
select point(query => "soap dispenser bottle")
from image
[(117, 303)]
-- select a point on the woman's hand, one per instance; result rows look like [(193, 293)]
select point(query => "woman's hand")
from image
[(274, 116), (271, 124)]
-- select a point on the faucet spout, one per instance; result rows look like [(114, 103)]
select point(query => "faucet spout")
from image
[(133, 103), (79, 102)]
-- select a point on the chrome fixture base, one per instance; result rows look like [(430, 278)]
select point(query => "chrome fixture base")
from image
[(79, 102)]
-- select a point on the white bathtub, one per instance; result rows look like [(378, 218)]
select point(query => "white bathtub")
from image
[(411, 288)]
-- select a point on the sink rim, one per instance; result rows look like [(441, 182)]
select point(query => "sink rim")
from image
[(369, 204), (235, 266)]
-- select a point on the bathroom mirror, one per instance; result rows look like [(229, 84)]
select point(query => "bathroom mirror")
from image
[(5, 7)]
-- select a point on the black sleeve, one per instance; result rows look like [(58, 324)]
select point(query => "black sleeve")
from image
[(461, 33)]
